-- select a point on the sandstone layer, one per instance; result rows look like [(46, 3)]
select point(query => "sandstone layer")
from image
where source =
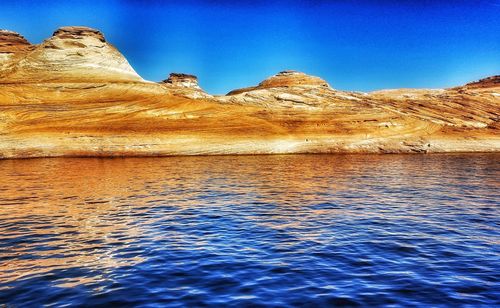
[(76, 95)]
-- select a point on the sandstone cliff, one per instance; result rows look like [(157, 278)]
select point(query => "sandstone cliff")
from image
[(76, 95), (72, 54)]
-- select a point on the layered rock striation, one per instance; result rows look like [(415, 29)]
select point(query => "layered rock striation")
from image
[(184, 85), (12, 42), (286, 79), (72, 54), (182, 80), (485, 83), (76, 95)]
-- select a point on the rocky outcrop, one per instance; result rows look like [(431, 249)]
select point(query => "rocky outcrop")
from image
[(76, 95), (72, 54), (78, 33), (184, 85), (182, 80), (292, 78), (12, 46), (288, 78), (489, 82), (12, 42), (292, 89)]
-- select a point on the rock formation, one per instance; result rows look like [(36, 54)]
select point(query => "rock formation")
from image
[(287, 78), (76, 95), (485, 83), (182, 80), (11, 44), (184, 85), (72, 54)]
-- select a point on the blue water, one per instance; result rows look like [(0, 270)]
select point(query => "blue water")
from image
[(294, 230)]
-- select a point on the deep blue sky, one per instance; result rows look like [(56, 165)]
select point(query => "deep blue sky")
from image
[(354, 45)]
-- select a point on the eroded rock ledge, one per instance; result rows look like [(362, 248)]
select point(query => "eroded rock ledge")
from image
[(489, 82), (184, 85), (182, 80), (292, 78), (288, 78), (76, 33), (11, 42), (71, 54), (76, 95)]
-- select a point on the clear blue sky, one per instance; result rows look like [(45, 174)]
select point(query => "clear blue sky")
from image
[(354, 45)]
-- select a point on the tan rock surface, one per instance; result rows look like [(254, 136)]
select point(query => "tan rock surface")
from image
[(11, 42), (72, 54), (76, 95), (184, 85), (12, 45)]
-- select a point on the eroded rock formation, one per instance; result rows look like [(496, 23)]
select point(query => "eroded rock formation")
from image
[(184, 85), (76, 95), (182, 80), (287, 78), (72, 54), (11, 42), (485, 83)]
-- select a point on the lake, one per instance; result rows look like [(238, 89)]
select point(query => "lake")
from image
[(285, 230)]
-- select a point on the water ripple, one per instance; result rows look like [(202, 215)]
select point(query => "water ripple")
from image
[(294, 230)]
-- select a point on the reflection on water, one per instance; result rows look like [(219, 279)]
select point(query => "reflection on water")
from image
[(250, 230)]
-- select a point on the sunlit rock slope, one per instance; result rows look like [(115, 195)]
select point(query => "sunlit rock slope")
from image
[(76, 95)]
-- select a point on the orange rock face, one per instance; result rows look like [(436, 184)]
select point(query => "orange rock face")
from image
[(76, 95), (485, 83), (12, 46), (184, 85), (72, 54), (11, 42)]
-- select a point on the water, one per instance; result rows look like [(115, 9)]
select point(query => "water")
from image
[(297, 230)]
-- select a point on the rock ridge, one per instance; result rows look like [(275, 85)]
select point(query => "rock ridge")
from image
[(78, 32), (11, 42), (76, 95), (488, 82), (287, 78), (71, 54)]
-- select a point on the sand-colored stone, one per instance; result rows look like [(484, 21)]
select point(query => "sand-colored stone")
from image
[(11, 42), (76, 95), (72, 54), (184, 85)]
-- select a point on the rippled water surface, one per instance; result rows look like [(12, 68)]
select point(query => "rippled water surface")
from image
[(295, 230)]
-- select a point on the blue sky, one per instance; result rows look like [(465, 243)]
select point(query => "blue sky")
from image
[(354, 45)]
